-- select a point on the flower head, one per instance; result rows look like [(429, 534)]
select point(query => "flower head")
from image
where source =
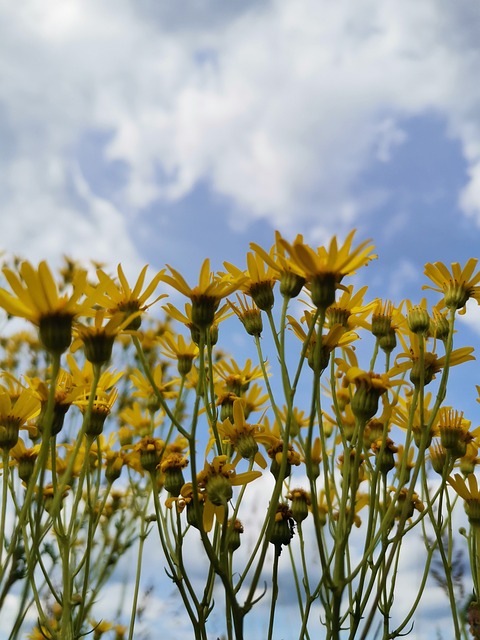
[(120, 297), (324, 269), (470, 494), (206, 296), (36, 298), (458, 286)]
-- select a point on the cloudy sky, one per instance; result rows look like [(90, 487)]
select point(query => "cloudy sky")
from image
[(164, 131)]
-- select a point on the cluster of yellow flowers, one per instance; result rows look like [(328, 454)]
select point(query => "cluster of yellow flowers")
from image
[(368, 441)]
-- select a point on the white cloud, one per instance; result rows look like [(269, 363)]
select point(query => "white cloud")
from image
[(280, 107)]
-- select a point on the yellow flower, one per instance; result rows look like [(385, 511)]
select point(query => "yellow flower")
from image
[(98, 339), (175, 346), (324, 269), (432, 364), (140, 421), (215, 483), (206, 296), (24, 458), (248, 314), (349, 310), (121, 297), (14, 413), (243, 437), (143, 388), (289, 274), (257, 282), (470, 494), (101, 408), (458, 286), (37, 299)]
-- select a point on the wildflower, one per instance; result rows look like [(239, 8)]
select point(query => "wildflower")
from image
[(24, 458), (470, 494), (144, 389), (37, 299), (249, 315), (98, 339), (216, 482), (458, 286), (140, 421), (369, 387), (301, 503), (438, 457), (177, 348), (100, 409), (242, 436), (387, 322), (172, 466), (453, 428), (257, 282), (431, 364), (206, 296), (406, 510), (66, 391), (324, 269), (120, 297), (283, 528), (275, 453), (418, 318), (14, 414), (418, 422), (290, 276), (237, 379), (235, 530), (349, 311), (337, 336), (149, 452)]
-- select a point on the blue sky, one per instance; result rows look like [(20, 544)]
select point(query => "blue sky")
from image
[(164, 132)]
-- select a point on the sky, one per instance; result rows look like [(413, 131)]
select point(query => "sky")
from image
[(139, 131)]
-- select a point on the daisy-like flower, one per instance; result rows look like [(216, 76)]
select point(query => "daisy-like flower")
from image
[(237, 379), (248, 314), (409, 360), (120, 297), (36, 298), (324, 269), (402, 417), (369, 387), (66, 391), (83, 377), (457, 286), (349, 310), (14, 414), (98, 339), (206, 296), (186, 318), (24, 459), (143, 388), (101, 408), (470, 494), (175, 346), (216, 483), (289, 274), (258, 281), (138, 421), (337, 336), (243, 437)]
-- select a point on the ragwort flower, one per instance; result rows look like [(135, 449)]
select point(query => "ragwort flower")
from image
[(458, 286), (470, 494), (120, 297), (206, 296), (324, 269), (37, 299)]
